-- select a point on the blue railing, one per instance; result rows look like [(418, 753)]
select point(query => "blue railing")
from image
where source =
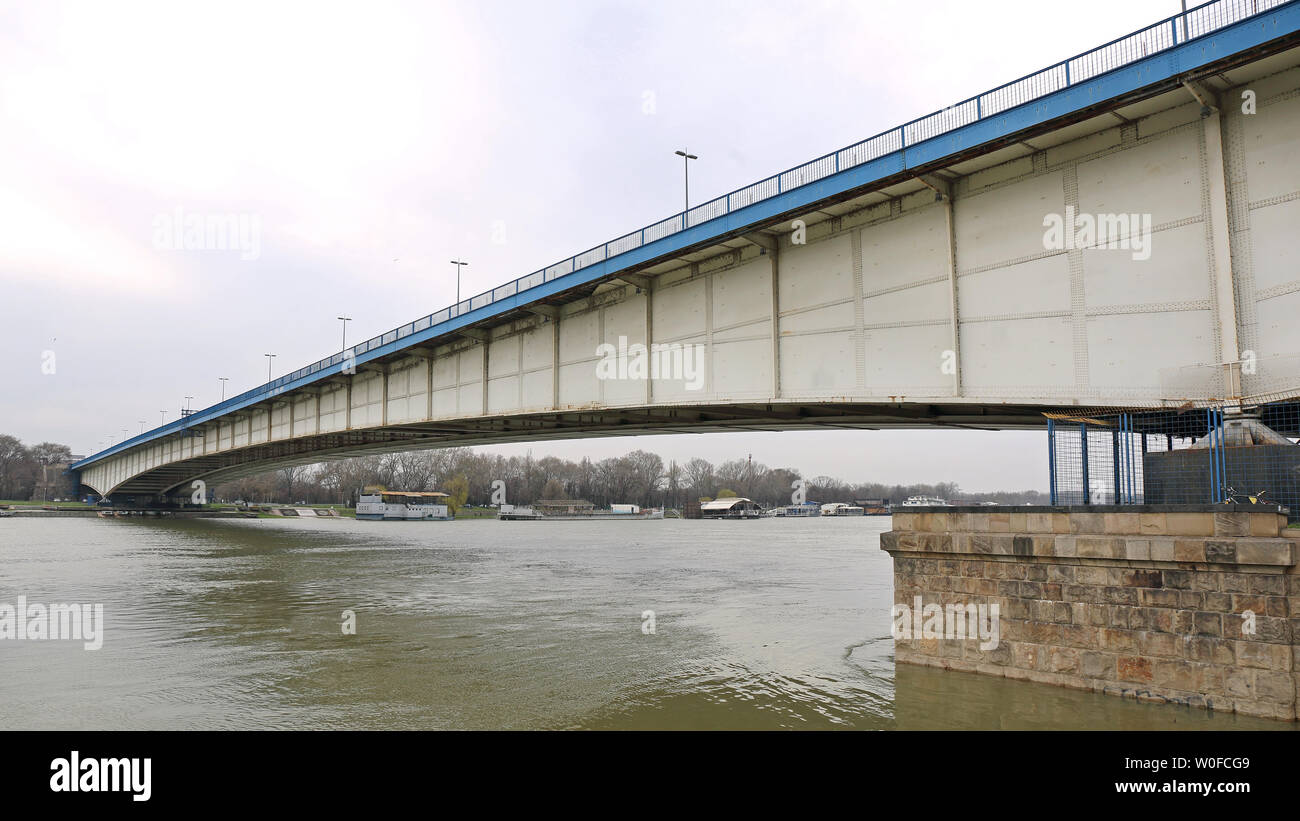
[(1167, 33)]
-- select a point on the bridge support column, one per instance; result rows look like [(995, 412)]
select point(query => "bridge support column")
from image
[(555, 362), (772, 248), (952, 294), (649, 337), (1177, 604), (943, 190), (487, 348), (1221, 238), (775, 253)]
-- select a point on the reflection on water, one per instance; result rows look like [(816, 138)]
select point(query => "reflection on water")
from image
[(481, 624)]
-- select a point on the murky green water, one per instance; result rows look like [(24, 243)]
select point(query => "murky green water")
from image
[(484, 624)]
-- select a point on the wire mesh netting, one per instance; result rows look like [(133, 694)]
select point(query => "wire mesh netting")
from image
[(1191, 456)]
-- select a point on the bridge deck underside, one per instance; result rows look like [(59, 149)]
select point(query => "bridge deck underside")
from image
[(175, 476)]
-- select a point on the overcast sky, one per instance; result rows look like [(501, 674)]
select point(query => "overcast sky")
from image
[(372, 142)]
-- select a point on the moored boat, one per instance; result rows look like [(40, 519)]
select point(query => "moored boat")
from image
[(574, 510), (402, 506)]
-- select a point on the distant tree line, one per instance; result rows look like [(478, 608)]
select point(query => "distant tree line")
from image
[(639, 477), (33, 472)]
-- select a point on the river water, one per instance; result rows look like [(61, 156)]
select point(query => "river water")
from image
[(214, 624)]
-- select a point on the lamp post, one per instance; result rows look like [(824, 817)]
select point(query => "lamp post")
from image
[(223, 380), (142, 426), (458, 265), (162, 416), (346, 320), (269, 358), (686, 168)]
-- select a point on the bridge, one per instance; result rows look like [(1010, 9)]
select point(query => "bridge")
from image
[(1113, 230)]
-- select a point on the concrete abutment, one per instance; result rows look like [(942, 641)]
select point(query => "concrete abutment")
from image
[(1185, 604)]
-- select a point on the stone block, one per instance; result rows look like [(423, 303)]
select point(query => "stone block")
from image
[(1189, 524), (1262, 656), (1133, 668), (1088, 524), (1209, 650), (1264, 525), (1231, 524), (1221, 551), (1098, 665), (1100, 547), (1151, 643), (1038, 522), (1162, 549), (1065, 546), (1205, 623), (1152, 524), (1143, 578), (1189, 550), (1137, 550), (1120, 524), (1276, 552)]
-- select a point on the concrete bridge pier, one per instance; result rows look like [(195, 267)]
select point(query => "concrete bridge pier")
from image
[(1196, 605)]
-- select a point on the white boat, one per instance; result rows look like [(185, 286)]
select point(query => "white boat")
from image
[(924, 501), (402, 506), (841, 509), (574, 510), (794, 511)]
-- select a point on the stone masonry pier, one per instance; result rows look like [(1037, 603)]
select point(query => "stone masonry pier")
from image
[(1185, 604)]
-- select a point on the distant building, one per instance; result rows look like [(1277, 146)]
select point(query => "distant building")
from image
[(873, 507), (841, 509), (732, 507), (795, 511), (566, 507)]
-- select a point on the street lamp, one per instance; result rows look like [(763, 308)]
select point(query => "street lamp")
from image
[(162, 416), (223, 380), (686, 167), (142, 426), (269, 358), (346, 320), (458, 265)]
